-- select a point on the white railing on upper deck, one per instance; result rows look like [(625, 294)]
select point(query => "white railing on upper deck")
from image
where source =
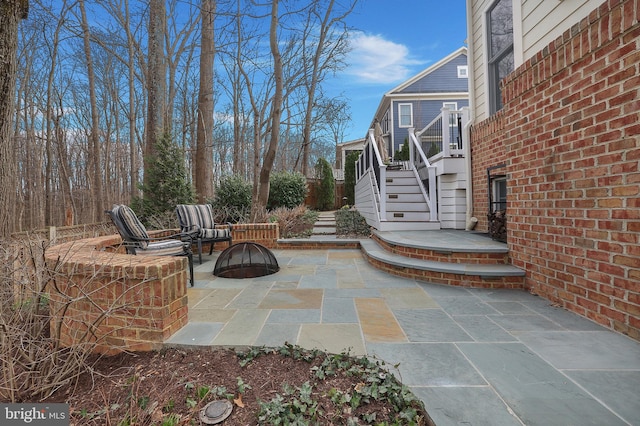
[(370, 161), (445, 136)]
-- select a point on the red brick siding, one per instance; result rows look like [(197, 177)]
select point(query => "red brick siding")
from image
[(569, 133)]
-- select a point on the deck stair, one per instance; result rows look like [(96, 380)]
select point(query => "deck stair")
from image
[(406, 207), (456, 258)]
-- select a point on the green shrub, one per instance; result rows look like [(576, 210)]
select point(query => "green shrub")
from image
[(403, 153), (232, 200), (350, 176), (325, 199), (286, 189)]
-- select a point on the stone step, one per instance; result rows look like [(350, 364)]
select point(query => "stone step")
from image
[(324, 230), (456, 274), (325, 225)]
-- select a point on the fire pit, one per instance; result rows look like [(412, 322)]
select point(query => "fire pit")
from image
[(245, 260)]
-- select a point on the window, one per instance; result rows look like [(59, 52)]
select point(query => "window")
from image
[(499, 194), (385, 122), (405, 115), (463, 71), (499, 49)]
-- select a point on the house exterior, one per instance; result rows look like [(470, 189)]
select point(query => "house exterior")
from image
[(417, 101), (344, 149), (428, 113), (555, 147)]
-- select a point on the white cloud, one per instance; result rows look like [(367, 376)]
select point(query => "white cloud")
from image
[(373, 59)]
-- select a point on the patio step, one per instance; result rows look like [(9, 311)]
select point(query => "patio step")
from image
[(325, 225), (477, 275)]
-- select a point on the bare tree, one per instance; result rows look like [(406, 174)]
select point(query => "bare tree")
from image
[(54, 132), (204, 143), (133, 151), (12, 12), (96, 164), (329, 49), (276, 113), (178, 40)]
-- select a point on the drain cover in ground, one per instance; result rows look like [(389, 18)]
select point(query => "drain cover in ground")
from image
[(215, 412)]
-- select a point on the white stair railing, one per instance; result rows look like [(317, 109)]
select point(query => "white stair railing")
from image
[(370, 161), (425, 173)]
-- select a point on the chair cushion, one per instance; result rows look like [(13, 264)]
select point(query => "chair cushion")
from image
[(218, 233), (132, 226), (163, 248), (195, 215)]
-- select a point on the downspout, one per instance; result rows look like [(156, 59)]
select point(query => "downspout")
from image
[(471, 220)]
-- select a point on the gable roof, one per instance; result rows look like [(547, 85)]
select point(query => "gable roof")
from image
[(427, 71), (397, 91)]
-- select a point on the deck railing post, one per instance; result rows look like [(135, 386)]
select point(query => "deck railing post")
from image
[(410, 142), (464, 112), (446, 137), (433, 207)]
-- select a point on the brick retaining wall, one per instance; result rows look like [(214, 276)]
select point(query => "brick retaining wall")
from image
[(103, 296), (114, 300)]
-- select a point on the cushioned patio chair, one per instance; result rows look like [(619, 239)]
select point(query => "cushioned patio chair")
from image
[(137, 241), (197, 220)]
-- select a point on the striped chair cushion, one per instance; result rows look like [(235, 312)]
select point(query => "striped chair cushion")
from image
[(197, 216), (162, 248), (132, 226), (215, 233)]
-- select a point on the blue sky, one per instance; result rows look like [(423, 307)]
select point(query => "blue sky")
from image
[(391, 42)]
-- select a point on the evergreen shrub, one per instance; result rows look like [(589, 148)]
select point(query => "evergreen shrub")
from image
[(286, 189), (325, 199), (350, 176), (168, 184), (232, 200)]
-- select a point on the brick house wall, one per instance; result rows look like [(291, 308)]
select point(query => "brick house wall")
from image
[(569, 135)]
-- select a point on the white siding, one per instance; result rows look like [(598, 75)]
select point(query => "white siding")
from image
[(477, 58), (539, 23), (452, 204), (364, 200), (543, 21)]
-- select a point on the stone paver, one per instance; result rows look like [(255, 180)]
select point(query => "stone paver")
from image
[(334, 338), (293, 299), (474, 356), (243, 328), (378, 322)]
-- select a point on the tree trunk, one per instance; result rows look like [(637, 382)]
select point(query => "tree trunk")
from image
[(156, 83), (133, 147), (94, 145), (276, 111), (311, 89), (11, 12), (204, 141)]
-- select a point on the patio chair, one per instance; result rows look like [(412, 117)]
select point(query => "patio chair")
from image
[(197, 220), (138, 242)]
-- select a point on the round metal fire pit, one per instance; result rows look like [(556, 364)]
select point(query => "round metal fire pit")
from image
[(245, 260)]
